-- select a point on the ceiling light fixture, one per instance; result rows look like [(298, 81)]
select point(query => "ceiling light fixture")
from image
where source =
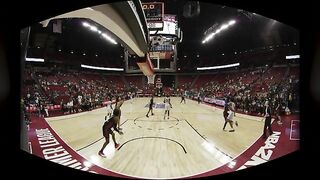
[(219, 67), (34, 59), (101, 68), (222, 27), (95, 29)]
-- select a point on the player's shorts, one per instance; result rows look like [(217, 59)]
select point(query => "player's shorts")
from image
[(167, 107), (109, 110), (107, 132), (230, 117)]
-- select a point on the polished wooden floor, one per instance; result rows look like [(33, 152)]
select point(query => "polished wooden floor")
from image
[(190, 142)]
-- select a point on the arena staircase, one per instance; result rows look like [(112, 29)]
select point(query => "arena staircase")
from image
[(42, 92)]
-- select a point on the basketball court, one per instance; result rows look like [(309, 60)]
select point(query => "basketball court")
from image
[(190, 142)]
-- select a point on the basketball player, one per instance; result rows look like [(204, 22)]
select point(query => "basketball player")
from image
[(109, 111), (232, 113), (150, 107), (42, 111), (167, 106), (225, 115), (278, 112), (228, 114), (233, 108), (108, 128), (182, 99), (199, 100), (131, 97), (118, 104), (267, 122)]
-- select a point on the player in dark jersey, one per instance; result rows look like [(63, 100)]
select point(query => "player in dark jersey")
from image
[(267, 121), (150, 107), (225, 115), (108, 128), (42, 111), (182, 99), (278, 112)]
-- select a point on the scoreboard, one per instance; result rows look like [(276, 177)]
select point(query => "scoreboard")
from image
[(153, 11), (154, 14)]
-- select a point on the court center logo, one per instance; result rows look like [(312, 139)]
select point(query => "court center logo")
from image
[(156, 106)]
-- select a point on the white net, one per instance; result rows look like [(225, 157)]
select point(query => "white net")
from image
[(151, 79)]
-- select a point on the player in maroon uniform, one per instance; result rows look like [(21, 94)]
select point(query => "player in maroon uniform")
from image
[(278, 112), (150, 107), (182, 99), (108, 128)]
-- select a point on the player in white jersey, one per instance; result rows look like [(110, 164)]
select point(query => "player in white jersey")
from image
[(231, 113), (233, 108), (118, 104), (109, 110), (167, 106)]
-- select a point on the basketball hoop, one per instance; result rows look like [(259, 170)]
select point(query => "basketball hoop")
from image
[(151, 79)]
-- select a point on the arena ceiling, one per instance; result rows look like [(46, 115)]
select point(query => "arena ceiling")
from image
[(250, 32)]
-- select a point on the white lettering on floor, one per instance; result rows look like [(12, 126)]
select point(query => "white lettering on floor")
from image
[(53, 151), (264, 152)]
